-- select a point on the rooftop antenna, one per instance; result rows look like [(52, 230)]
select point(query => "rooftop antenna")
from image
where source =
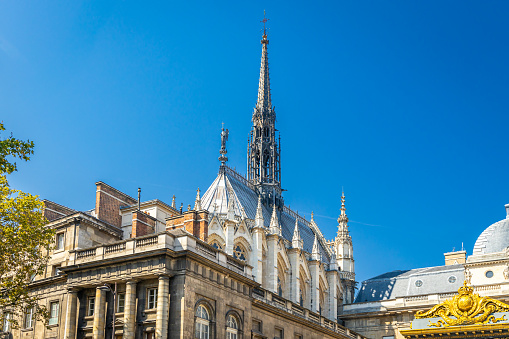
[(462, 248), (139, 195)]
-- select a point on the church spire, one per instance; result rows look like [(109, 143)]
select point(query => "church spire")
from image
[(343, 219), (274, 222), (264, 166)]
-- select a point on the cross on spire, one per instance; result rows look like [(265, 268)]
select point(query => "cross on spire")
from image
[(264, 22)]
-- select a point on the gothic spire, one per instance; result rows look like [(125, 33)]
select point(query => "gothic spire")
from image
[(297, 240), (197, 202), (274, 222), (264, 103), (315, 253), (259, 213), (343, 218)]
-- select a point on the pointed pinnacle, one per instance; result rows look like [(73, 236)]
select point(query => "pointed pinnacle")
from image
[(197, 202)]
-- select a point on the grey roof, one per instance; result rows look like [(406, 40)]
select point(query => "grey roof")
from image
[(493, 239), (396, 284), (245, 201)]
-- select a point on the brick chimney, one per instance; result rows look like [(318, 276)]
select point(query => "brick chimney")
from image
[(108, 201), (54, 211), (143, 224), (194, 222)]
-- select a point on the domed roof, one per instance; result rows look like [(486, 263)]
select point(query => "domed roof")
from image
[(495, 238)]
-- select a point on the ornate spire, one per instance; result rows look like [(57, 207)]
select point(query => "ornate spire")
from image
[(264, 165), (343, 218), (224, 138), (274, 222), (297, 240), (259, 213), (197, 202), (173, 204), (315, 254)]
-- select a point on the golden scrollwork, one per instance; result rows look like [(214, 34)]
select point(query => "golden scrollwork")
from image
[(466, 308)]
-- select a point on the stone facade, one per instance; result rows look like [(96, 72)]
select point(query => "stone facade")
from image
[(161, 279)]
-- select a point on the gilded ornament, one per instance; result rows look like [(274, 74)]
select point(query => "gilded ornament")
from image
[(466, 308)]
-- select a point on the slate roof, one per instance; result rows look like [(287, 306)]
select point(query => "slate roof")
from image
[(493, 239), (397, 284), (245, 201)]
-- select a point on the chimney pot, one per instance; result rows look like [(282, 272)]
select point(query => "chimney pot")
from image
[(507, 210)]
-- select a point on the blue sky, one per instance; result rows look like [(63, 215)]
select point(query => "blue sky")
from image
[(402, 103)]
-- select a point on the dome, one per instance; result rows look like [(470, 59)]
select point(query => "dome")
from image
[(495, 238)]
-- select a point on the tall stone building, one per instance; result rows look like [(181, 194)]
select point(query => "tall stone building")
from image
[(239, 264)]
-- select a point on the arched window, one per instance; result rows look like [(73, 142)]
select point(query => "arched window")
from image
[(279, 286), (232, 327), (202, 323), (239, 252), (216, 245)]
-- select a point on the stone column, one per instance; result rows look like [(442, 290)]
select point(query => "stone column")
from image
[(163, 306), (72, 307), (130, 310), (99, 314)]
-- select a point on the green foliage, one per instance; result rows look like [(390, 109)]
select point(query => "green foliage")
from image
[(24, 240), (16, 148)]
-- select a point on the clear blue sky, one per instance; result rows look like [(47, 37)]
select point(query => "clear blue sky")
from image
[(403, 103)]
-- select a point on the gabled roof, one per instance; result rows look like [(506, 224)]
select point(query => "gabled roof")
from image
[(231, 185)]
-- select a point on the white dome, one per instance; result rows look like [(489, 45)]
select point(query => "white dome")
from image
[(495, 238)]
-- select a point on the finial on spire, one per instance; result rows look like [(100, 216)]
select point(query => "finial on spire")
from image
[(197, 202), (264, 27), (274, 222), (224, 138), (297, 240), (315, 254), (173, 204)]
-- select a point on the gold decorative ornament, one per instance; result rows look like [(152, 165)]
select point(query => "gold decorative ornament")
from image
[(466, 308)]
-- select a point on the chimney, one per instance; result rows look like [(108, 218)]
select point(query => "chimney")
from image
[(108, 201), (194, 222), (507, 211), (455, 258), (143, 224)]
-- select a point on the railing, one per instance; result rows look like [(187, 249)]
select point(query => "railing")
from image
[(446, 295), (205, 249), (295, 309), (146, 241), (114, 248), (235, 264), (347, 275), (85, 253), (487, 288), (417, 298)]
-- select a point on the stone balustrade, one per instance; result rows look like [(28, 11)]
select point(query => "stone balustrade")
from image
[(295, 309), (159, 241)]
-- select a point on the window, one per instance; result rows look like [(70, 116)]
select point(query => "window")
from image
[(121, 302), (418, 283), (279, 286), (149, 335), (489, 274), (257, 326), (152, 298), (7, 322), (278, 333), (60, 241), (298, 336), (388, 337), (452, 279), (239, 253), (90, 306), (232, 327), (29, 318), (53, 315), (56, 270), (216, 245), (202, 325)]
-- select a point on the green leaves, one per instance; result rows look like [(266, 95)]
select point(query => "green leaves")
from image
[(24, 240)]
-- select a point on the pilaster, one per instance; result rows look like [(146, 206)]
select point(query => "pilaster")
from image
[(163, 305)]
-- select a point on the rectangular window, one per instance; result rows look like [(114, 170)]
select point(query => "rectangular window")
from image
[(121, 302), (90, 306), (257, 326), (60, 241), (152, 298), (7, 322), (29, 318), (298, 336), (53, 313), (278, 333)]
